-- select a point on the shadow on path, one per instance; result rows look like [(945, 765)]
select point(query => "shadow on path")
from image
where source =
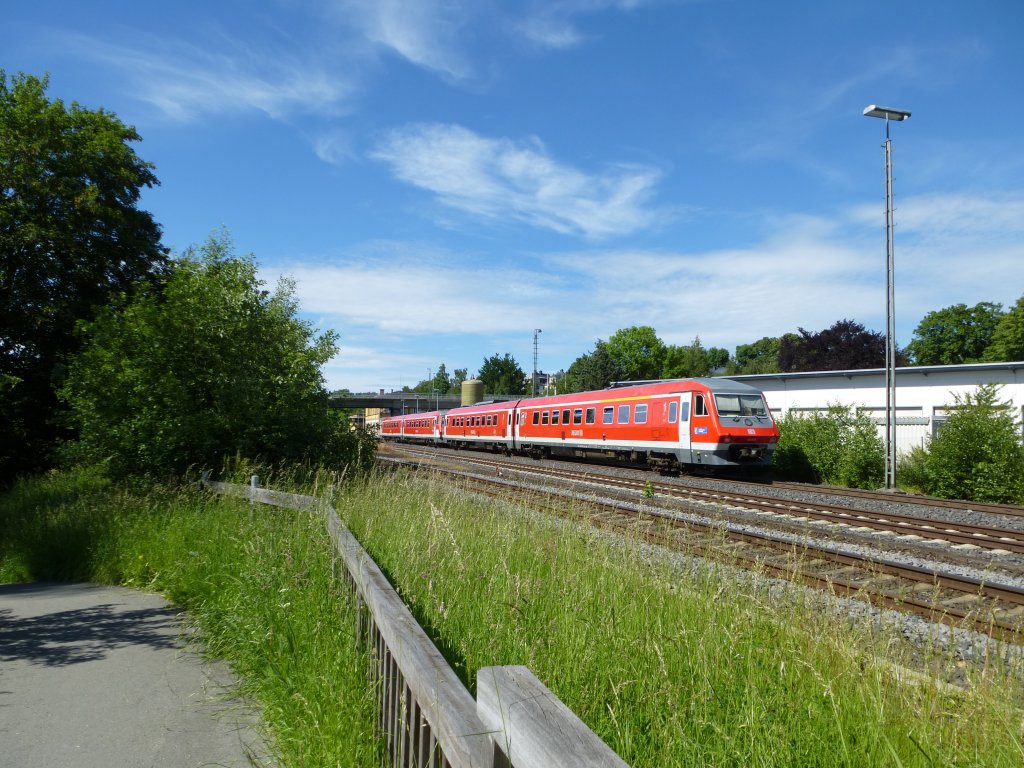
[(66, 636)]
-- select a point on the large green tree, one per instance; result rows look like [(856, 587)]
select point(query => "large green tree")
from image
[(692, 360), (954, 335), (1008, 336), (638, 352), (761, 356), (71, 239), (206, 365), (502, 376), (593, 370)]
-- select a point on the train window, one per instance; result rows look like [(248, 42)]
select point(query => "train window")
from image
[(673, 412), (591, 415), (699, 407), (685, 413), (608, 415), (623, 414), (544, 417), (740, 405), (536, 417), (577, 416), (522, 418), (565, 416), (640, 414), (554, 417)]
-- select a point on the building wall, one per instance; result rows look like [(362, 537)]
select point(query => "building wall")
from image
[(924, 395)]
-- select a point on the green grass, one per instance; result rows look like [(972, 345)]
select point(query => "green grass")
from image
[(256, 583), (671, 665)]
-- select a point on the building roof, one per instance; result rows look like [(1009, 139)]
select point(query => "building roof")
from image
[(922, 369)]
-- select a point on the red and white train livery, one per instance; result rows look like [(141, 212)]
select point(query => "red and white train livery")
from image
[(679, 423)]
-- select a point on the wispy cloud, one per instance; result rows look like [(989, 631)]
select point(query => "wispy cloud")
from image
[(185, 81), (553, 23), (501, 178), (804, 272), (425, 32)]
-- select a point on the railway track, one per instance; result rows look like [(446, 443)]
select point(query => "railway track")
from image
[(1013, 510), (937, 594), (907, 527)]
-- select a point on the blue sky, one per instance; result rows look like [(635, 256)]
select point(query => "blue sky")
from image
[(441, 177)]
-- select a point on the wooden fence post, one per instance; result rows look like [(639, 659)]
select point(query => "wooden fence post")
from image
[(533, 728)]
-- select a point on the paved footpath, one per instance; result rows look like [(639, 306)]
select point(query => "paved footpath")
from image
[(103, 677)]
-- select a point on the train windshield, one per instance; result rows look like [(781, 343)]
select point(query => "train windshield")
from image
[(741, 406)]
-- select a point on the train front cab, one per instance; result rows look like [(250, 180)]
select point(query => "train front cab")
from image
[(726, 424)]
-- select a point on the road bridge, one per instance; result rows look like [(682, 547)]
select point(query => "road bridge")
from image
[(405, 402)]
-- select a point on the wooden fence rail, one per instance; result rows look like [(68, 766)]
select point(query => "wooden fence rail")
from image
[(427, 717)]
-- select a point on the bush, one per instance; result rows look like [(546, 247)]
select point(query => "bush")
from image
[(206, 365), (912, 471), (837, 447), (977, 455)]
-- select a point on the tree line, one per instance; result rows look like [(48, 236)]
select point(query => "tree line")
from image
[(949, 336)]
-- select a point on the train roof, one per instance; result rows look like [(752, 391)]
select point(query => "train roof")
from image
[(636, 388)]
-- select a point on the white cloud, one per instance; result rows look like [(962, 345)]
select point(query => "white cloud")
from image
[(409, 307), (500, 178), (185, 81), (413, 298), (424, 32), (552, 23)]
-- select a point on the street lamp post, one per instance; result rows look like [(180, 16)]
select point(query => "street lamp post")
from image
[(888, 114), (536, 333)]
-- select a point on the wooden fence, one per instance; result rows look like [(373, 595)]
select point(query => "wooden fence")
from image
[(427, 716)]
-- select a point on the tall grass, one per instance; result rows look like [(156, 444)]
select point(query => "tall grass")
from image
[(672, 666), (672, 662), (257, 583)]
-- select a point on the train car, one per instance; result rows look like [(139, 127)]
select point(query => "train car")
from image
[(670, 424), (484, 425), (414, 427)]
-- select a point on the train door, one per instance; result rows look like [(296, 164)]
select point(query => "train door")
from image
[(685, 440)]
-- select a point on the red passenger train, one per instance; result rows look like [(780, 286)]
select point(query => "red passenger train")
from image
[(677, 424)]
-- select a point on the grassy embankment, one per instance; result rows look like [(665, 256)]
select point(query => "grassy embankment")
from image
[(258, 586), (671, 665)]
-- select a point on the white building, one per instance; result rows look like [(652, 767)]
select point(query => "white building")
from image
[(924, 395)]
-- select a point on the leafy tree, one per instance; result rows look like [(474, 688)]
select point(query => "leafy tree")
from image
[(956, 334), (460, 375), (846, 345), (440, 383), (1008, 337), (502, 376), (208, 365), (594, 370), (977, 454), (718, 359), (71, 238), (693, 360), (762, 356), (638, 352)]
